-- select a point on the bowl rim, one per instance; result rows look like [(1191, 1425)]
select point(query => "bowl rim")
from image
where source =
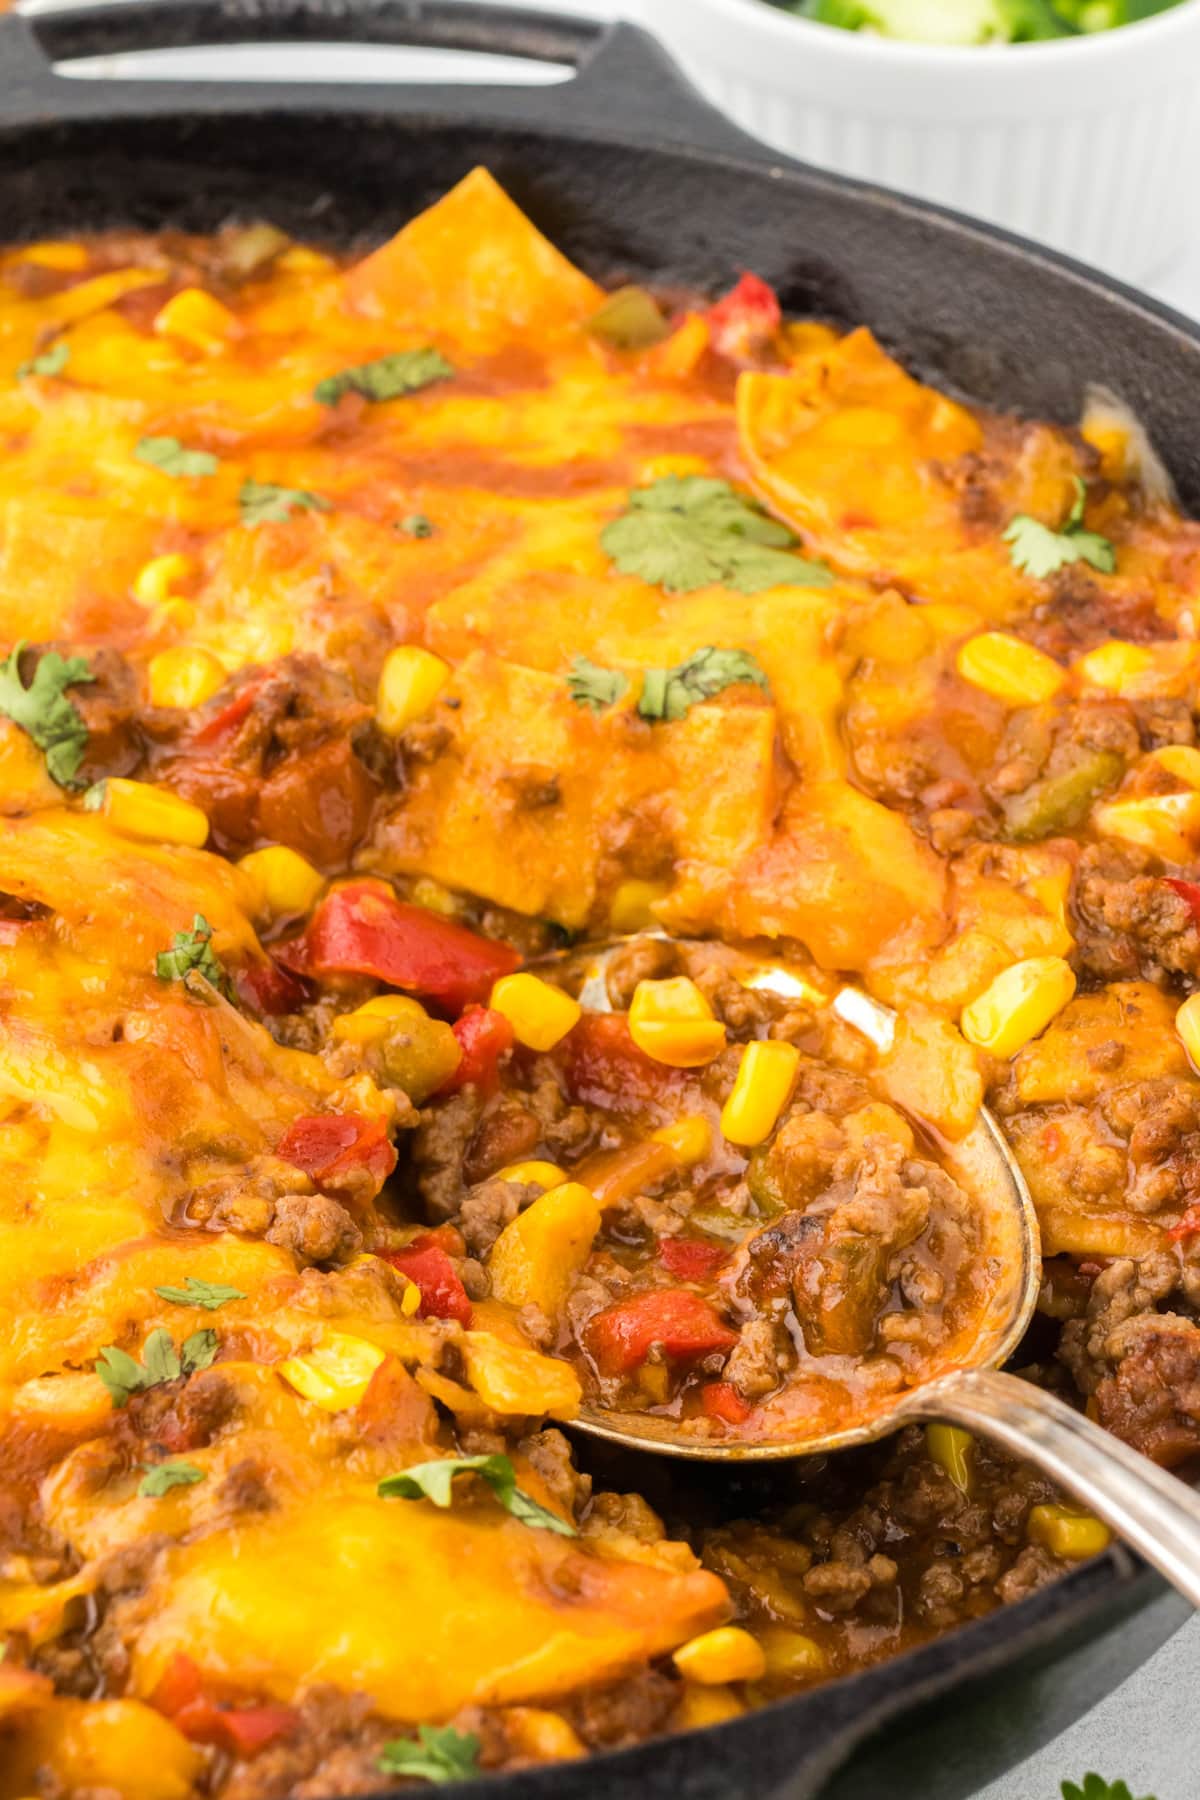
[(1150, 36)]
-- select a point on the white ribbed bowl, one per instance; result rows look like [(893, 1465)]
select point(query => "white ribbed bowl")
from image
[(1091, 144)]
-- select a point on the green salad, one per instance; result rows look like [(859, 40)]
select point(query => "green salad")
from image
[(978, 21)]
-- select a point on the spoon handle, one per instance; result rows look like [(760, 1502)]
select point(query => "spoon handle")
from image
[(1152, 1510)]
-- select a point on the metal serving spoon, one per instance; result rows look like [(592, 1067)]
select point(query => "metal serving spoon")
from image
[(1150, 1509)]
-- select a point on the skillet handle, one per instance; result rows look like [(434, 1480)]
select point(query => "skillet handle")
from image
[(625, 87), (1156, 1514)]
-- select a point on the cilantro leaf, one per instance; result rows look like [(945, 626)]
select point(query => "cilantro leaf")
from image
[(194, 1292), (1096, 1788), (162, 1477), (669, 693), (43, 711), (387, 378), (439, 1754), (199, 1350), (121, 1374), (415, 525), (124, 1376), (1037, 550), (51, 362), (435, 1481), (690, 531), (192, 950), (590, 685), (263, 503), (169, 455)]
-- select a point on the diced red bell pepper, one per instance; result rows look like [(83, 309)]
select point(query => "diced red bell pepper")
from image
[(1187, 890), (178, 1685), (745, 322), (224, 723), (721, 1400), (245, 1731), (690, 1260), (328, 1146), (269, 990), (604, 1067), (1188, 1226), (362, 929), (484, 1036), (622, 1337), (443, 1295)]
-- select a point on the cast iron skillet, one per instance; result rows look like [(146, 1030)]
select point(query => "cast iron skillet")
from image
[(635, 177)]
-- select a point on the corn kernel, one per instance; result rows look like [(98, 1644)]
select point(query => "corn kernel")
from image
[(282, 881), (540, 1015), (689, 1138), (953, 1450), (138, 810), (673, 1022), (371, 1022), (1180, 760), (410, 1300), (1074, 1535), (65, 258), (1009, 669), (633, 903), (1187, 1024), (409, 682), (1114, 666), (541, 1736), (1167, 824), (540, 1174), (336, 1373), (793, 1655), (184, 678), (760, 1091), (154, 580), (726, 1654), (1018, 1005), (197, 319), (703, 1706)]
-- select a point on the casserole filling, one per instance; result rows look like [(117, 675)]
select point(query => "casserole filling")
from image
[(378, 634)]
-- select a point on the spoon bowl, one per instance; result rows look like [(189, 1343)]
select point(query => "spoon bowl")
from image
[(1151, 1509)]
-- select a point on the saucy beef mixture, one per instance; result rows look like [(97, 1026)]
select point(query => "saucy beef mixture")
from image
[(379, 636)]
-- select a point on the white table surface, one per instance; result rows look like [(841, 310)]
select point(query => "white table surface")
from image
[(1148, 1731)]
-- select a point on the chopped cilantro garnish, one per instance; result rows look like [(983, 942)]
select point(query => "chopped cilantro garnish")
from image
[(169, 455), (192, 950), (43, 711), (590, 685), (435, 1481), (1038, 551), (162, 1477), (124, 1376), (194, 1292), (666, 693), (669, 693), (263, 503), (415, 525), (691, 531), (51, 362), (1094, 1787), (387, 378), (439, 1754)]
